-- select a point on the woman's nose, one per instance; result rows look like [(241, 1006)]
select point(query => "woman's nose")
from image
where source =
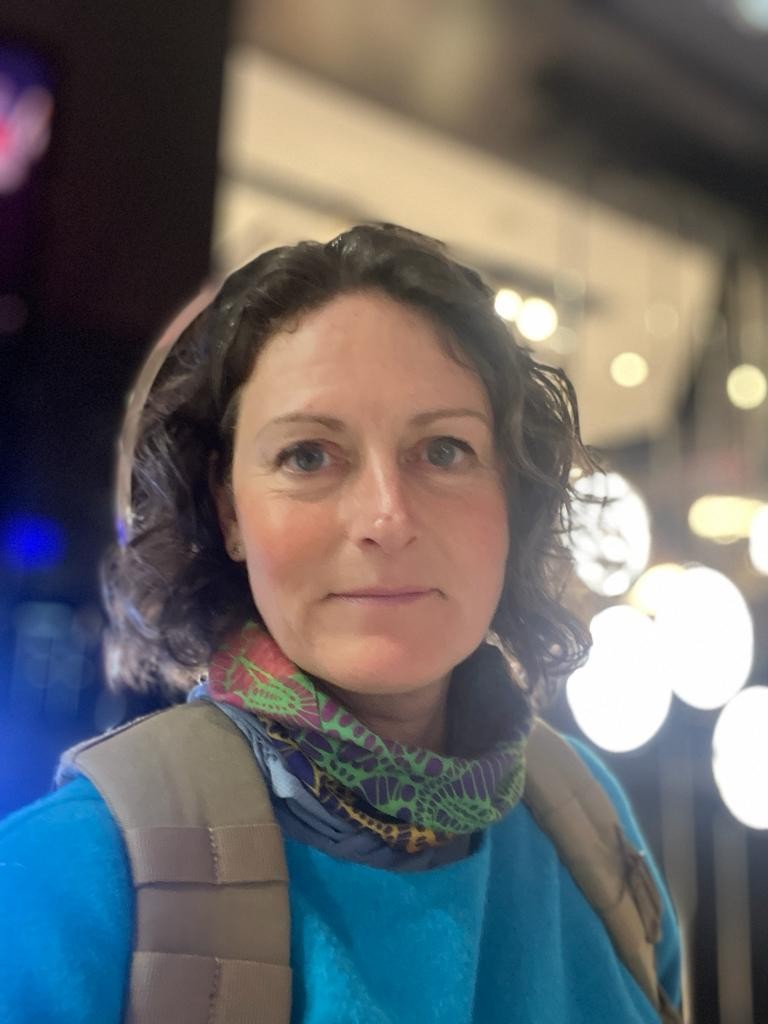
[(380, 506)]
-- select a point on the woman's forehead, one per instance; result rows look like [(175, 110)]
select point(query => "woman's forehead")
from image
[(368, 339)]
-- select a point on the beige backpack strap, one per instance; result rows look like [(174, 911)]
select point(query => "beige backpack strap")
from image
[(574, 810), (212, 925)]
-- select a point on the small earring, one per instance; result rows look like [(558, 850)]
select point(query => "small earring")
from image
[(236, 551)]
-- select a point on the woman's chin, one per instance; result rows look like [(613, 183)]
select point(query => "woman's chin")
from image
[(381, 665)]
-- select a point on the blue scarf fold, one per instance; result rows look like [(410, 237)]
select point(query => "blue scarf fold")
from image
[(303, 817)]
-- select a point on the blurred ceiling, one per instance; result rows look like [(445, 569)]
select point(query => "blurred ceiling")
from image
[(573, 89), (606, 154), (304, 158)]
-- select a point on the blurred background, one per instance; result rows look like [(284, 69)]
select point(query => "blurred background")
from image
[(603, 163)]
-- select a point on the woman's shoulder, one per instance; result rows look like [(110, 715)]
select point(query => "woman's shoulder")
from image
[(74, 805), (64, 838), (72, 820), (66, 895), (668, 953)]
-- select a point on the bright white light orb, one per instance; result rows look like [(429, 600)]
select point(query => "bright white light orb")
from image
[(629, 369), (611, 542), (648, 592), (746, 386), (758, 540), (706, 637), (507, 304), (621, 696), (537, 319), (740, 756)]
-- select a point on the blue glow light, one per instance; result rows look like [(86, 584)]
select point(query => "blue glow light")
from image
[(31, 542)]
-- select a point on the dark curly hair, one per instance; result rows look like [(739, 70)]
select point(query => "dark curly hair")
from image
[(171, 591)]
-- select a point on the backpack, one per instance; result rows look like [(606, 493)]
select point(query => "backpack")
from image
[(207, 860)]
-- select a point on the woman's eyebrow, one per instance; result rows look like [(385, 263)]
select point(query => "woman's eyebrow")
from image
[(436, 414), (332, 423), (304, 417)]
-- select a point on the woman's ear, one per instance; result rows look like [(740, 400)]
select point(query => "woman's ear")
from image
[(223, 499)]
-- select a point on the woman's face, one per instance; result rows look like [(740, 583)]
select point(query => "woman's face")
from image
[(364, 457)]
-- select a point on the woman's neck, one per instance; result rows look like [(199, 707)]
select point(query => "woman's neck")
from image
[(416, 719)]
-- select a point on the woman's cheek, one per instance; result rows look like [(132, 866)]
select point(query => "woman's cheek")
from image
[(278, 536), (488, 538)]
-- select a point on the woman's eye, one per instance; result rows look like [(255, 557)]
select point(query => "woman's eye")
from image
[(307, 457), (445, 449)]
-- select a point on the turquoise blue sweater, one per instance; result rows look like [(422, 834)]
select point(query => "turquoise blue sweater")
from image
[(502, 937)]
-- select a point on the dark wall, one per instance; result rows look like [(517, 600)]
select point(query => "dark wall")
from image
[(133, 159), (113, 238)]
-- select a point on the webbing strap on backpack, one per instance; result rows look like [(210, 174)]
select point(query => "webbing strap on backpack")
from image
[(574, 810), (212, 925)]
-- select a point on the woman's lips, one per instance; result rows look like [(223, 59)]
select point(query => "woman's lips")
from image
[(383, 600)]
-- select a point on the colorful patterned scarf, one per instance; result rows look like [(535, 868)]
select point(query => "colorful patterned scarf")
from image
[(410, 797)]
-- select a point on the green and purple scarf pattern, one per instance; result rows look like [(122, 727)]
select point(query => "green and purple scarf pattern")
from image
[(409, 796)]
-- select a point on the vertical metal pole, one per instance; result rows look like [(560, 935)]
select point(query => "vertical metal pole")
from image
[(734, 952), (678, 847)]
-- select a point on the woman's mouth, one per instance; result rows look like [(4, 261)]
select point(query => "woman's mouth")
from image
[(385, 599)]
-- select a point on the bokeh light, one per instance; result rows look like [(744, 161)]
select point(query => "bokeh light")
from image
[(648, 591), (537, 319), (629, 369), (621, 696), (610, 537), (507, 304), (746, 386), (31, 543), (25, 117), (740, 756), (706, 636), (722, 517)]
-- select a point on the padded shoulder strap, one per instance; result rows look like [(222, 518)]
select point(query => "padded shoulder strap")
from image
[(573, 809), (212, 933)]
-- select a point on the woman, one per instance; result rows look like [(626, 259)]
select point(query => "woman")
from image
[(345, 528)]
